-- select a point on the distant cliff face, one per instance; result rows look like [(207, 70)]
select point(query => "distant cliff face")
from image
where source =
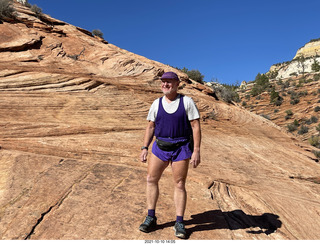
[(294, 68), (311, 49), (310, 53), (73, 116)]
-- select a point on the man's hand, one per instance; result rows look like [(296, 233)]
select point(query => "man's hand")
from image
[(143, 155), (195, 159)]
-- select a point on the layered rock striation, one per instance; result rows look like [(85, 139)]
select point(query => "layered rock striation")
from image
[(73, 112), (311, 49)]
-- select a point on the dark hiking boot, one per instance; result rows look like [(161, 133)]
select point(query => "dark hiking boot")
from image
[(149, 224), (179, 230)]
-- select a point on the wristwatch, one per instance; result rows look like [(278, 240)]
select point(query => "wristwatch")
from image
[(144, 148)]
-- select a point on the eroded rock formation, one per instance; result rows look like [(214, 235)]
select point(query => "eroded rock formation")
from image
[(70, 134), (311, 49), (302, 62)]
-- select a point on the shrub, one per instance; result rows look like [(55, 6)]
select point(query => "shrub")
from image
[(302, 93), (308, 122), (273, 74), (318, 127), (315, 66), (293, 94), (289, 112), (255, 91), (244, 103), (38, 11), (6, 9), (316, 77), (314, 141), (317, 109), (193, 74), (314, 119), (261, 83), (296, 123), (291, 127), (301, 82), (275, 97), (287, 117), (97, 33), (227, 94), (314, 40), (224, 94), (286, 84), (303, 129), (279, 101), (316, 153), (295, 101)]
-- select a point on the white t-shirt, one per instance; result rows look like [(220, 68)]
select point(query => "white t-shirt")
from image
[(189, 105)]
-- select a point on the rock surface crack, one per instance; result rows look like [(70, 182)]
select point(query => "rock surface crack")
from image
[(58, 203), (38, 222)]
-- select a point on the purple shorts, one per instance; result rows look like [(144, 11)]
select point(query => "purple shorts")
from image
[(179, 154)]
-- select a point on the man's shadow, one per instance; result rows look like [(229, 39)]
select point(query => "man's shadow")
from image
[(232, 220)]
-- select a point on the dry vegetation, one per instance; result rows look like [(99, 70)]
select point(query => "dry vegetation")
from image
[(293, 104)]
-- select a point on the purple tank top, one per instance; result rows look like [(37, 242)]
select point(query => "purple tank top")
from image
[(175, 126)]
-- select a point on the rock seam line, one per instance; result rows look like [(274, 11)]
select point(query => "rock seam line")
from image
[(58, 203)]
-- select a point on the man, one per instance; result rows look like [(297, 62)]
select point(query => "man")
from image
[(174, 120)]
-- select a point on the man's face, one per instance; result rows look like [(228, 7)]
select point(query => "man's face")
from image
[(169, 86)]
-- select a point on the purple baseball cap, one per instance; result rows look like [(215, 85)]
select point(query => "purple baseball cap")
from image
[(170, 75)]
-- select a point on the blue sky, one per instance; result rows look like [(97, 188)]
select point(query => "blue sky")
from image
[(228, 40)]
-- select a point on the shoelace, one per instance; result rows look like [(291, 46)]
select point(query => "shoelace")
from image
[(180, 226), (148, 220)]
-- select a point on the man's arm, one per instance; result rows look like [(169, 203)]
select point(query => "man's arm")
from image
[(147, 140), (195, 158)]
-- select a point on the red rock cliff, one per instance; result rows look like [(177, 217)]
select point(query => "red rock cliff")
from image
[(73, 111)]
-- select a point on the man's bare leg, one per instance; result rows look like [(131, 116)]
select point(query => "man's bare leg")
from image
[(155, 169), (180, 171)]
